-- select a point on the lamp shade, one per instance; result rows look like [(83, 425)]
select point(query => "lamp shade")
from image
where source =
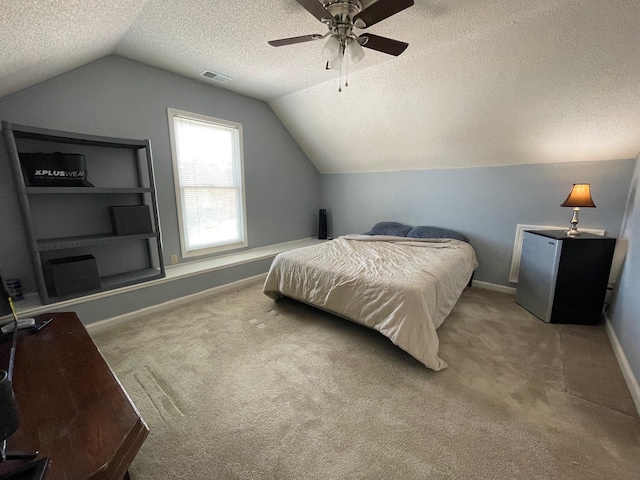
[(331, 49), (355, 51), (580, 196)]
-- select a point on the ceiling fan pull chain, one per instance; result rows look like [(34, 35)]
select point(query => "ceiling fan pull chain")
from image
[(340, 59), (346, 71)]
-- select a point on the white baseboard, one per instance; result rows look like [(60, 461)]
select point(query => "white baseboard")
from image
[(112, 322), (102, 325), (494, 286), (629, 377)]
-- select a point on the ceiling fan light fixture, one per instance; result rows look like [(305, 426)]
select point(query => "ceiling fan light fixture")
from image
[(354, 51), (341, 17), (331, 49)]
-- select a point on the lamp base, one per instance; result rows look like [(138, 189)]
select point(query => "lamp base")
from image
[(573, 231)]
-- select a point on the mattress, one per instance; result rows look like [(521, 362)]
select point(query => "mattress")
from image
[(403, 288)]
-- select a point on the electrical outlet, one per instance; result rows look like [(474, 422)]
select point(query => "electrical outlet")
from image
[(174, 259)]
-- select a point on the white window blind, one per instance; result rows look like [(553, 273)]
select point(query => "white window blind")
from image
[(208, 166)]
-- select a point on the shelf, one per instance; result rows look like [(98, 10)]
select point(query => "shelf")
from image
[(88, 240), (130, 278), (115, 281), (36, 133), (83, 190)]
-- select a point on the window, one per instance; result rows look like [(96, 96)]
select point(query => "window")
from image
[(208, 174)]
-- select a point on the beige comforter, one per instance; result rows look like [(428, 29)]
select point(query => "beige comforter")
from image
[(404, 288)]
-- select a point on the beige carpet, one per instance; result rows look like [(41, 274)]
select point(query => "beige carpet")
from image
[(240, 387)]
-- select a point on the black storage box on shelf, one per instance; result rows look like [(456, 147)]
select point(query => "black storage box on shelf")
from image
[(131, 219), (54, 169), (70, 275)]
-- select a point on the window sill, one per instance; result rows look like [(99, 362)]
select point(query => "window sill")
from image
[(31, 304)]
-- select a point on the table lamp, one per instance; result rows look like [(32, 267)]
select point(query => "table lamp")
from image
[(580, 196)]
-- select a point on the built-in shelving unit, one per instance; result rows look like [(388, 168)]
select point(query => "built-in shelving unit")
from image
[(66, 221)]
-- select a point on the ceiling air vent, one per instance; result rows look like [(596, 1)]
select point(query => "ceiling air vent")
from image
[(216, 77)]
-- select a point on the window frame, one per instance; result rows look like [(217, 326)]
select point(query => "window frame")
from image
[(207, 250)]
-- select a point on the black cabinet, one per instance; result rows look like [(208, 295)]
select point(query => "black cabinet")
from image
[(564, 279)]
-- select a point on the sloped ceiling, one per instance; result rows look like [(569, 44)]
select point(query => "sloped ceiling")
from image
[(490, 82)]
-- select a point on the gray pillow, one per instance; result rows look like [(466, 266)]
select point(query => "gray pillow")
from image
[(394, 229), (436, 232)]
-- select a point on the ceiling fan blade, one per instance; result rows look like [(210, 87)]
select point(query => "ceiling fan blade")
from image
[(382, 44), (293, 40), (315, 8), (379, 11)]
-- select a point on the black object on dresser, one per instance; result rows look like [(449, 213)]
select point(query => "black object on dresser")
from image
[(564, 279)]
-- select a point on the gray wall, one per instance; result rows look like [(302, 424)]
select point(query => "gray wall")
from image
[(625, 305), (484, 203), (122, 98)]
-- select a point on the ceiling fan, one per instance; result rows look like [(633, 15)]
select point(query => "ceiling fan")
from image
[(342, 17)]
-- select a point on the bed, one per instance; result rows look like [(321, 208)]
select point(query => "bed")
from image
[(400, 285)]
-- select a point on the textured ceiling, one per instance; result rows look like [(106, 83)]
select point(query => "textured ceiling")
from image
[(489, 82)]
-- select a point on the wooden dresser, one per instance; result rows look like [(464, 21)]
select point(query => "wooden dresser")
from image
[(72, 407)]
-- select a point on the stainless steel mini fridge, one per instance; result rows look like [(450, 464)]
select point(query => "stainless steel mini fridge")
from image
[(564, 279)]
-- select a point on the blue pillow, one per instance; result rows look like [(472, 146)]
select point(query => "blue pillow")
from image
[(394, 229), (436, 232)]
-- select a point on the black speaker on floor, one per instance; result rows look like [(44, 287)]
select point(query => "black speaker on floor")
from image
[(322, 225)]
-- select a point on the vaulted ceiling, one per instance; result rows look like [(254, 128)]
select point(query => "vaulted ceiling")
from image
[(490, 82)]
